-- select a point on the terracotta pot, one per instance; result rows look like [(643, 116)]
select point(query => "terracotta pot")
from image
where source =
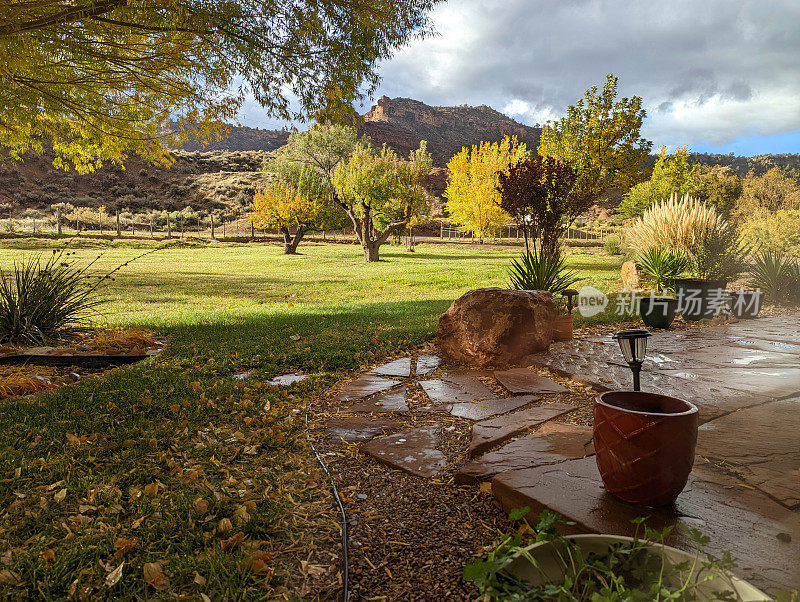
[(644, 444), (562, 328)]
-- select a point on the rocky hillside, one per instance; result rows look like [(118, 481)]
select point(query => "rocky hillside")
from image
[(402, 123), (790, 163)]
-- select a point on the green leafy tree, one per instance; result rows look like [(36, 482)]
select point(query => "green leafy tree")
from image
[(98, 79), (473, 197), (381, 193), (600, 136), (672, 175), (761, 195), (719, 187)]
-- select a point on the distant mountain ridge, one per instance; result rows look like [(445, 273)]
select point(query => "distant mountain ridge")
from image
[(403, 122)]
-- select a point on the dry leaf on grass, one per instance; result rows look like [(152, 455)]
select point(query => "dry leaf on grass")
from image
[(9, 578), (60, 496), (200, 505), (155, 577), (233, 542), (114, 576)]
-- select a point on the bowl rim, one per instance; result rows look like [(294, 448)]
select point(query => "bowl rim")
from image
[(598, 400)]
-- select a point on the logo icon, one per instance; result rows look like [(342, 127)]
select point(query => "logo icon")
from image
[(591, 301)]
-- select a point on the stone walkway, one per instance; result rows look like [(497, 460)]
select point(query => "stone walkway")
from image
[(535, 449)]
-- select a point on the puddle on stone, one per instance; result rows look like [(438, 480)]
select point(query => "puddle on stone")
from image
[(284, 380)]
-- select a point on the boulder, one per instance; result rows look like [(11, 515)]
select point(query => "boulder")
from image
[(630, 276), (496, 327)]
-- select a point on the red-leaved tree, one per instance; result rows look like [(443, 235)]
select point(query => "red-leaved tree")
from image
[(544, 196)]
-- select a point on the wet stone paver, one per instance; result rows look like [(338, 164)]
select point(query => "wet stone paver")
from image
[(398, 368), (359, 428), (364, 386), (412, 451), (456, 388), (427, 363), (481, 410), (522, 380), (554, 442), (490, 433), (391, 401)]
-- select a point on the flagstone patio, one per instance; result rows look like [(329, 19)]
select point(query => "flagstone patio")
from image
[(534, 444)]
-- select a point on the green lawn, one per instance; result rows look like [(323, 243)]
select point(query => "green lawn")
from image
[(137, 449)]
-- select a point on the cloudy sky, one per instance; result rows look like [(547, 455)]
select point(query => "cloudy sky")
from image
[(718, 75)]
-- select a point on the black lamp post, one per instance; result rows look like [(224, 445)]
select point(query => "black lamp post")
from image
[(633, 344), (570, 294)]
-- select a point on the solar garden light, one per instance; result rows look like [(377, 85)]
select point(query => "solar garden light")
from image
[(570, 294), (633, 344)]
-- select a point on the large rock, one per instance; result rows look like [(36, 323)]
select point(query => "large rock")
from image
[(496, 327), (630, 276)]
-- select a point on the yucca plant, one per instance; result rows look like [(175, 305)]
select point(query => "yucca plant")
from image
[(40, 300), (661, 267), (542, 272), (776, 275), (720, 253)]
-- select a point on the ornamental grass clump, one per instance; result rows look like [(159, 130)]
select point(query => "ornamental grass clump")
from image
[(42, 299), (679, 224)]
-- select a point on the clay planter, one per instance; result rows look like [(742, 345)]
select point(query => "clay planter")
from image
[(658, 312), (562, 328), (644, 444), (549, 557), (697, 296)]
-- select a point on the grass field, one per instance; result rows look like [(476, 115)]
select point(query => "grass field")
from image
[(165, 463)]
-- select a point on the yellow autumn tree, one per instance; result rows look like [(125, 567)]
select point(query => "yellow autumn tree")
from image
[(473, 200), (295, 208)]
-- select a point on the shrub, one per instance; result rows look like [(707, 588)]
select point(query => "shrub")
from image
[(776, 275), (676, 224), (779, 231), (661, 267), (541, 272), (721, 255), (613, 244), (41, 299)]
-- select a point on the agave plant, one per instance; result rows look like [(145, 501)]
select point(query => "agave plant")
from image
[(542, 272), (661, 267), (40, 299), (776, 275)]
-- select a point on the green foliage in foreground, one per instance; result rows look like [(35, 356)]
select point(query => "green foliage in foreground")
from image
[(628, 571), (538, 271)]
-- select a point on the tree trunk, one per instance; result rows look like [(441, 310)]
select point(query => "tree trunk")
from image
[(212, 226), (119, 232), (58, 219), (371, 251), (169, 227), (290, 242)]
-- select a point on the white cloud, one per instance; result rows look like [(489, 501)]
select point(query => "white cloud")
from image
[(709, 72)]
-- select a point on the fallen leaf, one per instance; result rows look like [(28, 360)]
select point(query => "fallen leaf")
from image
[(48, 556), (123, 545), (60, 496), (312, 570), (151, 490), (114, 576), (225, 526), (295, 337), (175, 408), (486, 487), (199, 579), (233, 542), (9, 578), (200, 505), (137, 522), (72, 439), (205, 598), (259, 561), (154, 576), (241, 515), (196, 386)]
